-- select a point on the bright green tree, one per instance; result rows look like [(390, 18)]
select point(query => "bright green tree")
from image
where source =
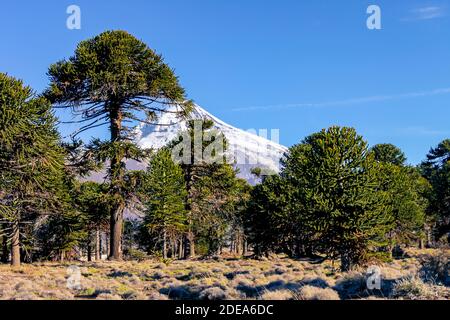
[(211, 185), (269, 223), (334, 175), (164, 193), (188, 150), (116, 80), (31, 159), (405, 190), (215, 203), (388, 153), (436, 169), (92, 201)]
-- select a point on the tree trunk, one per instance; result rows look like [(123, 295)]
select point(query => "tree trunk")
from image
[(89, 247), (115, 251), (117, 174), (429, 240), (107, 244), (192, 244), (89, 252), (5, 252), (180, 249), (98, 245), (189, 245), (15, 245), (173, 249), (346, 263), (165, 245)]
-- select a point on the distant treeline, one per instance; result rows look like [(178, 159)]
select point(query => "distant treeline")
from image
[(334, 198)]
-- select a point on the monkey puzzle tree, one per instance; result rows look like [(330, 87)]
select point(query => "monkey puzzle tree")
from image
[(31, 159), (269, 221), (388, 153), (405, 190), (334, 175), (115, 79), (437, 170), (92, 201), (164, 193), (200, 150)]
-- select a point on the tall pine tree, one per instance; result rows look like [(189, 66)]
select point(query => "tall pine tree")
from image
[(334, 176), (116, 80), (163, 195), (31, 159)]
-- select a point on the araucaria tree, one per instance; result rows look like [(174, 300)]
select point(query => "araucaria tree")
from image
[(334, 177), (405, 191), (31, 160), (211, 185), (116, 80), (163, 195), (388, 153), (437, 170)]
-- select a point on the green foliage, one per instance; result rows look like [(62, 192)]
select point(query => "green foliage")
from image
[(214, 194), (114, 65), (336, 198), (137, 255), (92, 200), (163, 194), (31, 158), (269, 224), (388, 153), (115, 79), (437, 170), (335, 178), (406, 192), (326, 201)]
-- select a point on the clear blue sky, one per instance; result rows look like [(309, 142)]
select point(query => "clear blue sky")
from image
[(299, 66)]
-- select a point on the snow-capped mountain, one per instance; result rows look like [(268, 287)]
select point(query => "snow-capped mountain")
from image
[(245, 149)]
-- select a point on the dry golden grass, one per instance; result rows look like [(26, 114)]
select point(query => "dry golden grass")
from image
[(278, 278)]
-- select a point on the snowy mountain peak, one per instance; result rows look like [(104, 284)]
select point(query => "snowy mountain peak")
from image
[(245, 148)]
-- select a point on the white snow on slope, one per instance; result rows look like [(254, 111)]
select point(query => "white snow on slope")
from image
[(246, 149)]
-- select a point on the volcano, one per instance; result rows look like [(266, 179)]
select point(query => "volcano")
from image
[(246, 149)]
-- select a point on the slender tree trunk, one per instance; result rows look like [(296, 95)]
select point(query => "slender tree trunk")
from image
[(192, 244), (89, 247), (117, 173), (89, 252), (421, 244), (165, 244), (115, 251), (189, 245), (346, 262), (62, 255), (429, 241), (173, 246), (98, 245), (107, 244), (15, 245), (5, 252), (180, 249)]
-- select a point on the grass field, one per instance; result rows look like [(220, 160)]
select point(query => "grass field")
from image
[(423, 274)]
